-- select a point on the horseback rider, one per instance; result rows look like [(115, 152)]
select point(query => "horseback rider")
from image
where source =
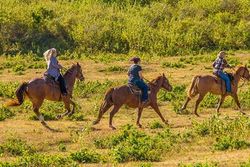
[(219, 64), (53, 69), (136, 78)]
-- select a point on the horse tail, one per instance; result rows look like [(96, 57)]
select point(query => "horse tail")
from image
[(108, 96), (193, 90), (19, 94)]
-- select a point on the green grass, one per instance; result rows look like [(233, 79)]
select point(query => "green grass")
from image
[(124, 26)]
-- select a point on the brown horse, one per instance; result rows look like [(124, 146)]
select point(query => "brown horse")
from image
[(39, 89), (119, 96), (201, 85)]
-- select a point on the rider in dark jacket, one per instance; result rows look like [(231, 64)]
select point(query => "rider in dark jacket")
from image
[(136, 78)]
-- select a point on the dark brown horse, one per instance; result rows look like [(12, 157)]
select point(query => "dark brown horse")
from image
[(39, 89), (119, 96), (201, 85)]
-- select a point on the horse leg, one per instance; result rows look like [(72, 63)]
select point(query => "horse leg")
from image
[(66, 102), (41, 118), (102, 110), (220, 103), (112, 113), (185, 104), (236, 99), (200, 98), (73, 110), (139, 117), (157, 110)]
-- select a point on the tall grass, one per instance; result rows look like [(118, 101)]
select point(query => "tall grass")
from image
[(121, 26)]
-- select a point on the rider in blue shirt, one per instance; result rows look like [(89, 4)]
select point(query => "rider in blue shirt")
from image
[(136, 78), (219, 65), (53, 69)]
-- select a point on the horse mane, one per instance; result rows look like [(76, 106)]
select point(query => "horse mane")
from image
[(154, 81), (70, 70)]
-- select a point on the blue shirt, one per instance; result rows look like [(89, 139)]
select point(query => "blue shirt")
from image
[(53, 67), (133, 73)]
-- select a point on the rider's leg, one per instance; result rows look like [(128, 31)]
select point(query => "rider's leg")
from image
[(144, 89), (226, 79), (62, 85)]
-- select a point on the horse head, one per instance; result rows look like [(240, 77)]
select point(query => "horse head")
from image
[(165, 83), (79, 73), (244, 72)]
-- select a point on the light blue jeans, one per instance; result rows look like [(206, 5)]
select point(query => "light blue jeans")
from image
[(225, 77)]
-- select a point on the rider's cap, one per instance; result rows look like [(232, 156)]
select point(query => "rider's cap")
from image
[(135, 59)]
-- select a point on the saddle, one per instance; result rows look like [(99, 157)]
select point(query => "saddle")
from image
[(49, 79), (220, 81), (134, 89)]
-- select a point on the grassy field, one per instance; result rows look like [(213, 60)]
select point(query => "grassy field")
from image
[(188, 140)]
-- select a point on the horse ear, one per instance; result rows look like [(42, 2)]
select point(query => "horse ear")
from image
[(163, 74)]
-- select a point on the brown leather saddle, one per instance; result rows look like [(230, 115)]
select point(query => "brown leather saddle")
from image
[(134, 89), (50, 80)]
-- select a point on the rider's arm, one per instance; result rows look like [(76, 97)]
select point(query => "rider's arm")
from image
[(55, 63), (140, 74), (226, 64)]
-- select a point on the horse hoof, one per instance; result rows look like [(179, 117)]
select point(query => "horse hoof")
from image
[(58, 116), (139, 125), (95, 122), (243, 113), (197, 115), (166, 122), (112, 127)]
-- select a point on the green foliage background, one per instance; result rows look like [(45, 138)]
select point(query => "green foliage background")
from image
[(162, 27)]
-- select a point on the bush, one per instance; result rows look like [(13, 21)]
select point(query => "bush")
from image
[(45, 161), (199, 164), (17, 147), (86, 156), (215, 126), (173, 65), (114, 69), (133, 145), (156, 125), (5, 113), (228, 142), (123, 26)]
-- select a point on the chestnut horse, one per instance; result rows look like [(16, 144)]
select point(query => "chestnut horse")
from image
[(119, 96), (201, 85), (39, 89)]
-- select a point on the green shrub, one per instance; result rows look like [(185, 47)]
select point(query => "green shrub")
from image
[(176, 96), (199, 164), (5, 113), (173, 65), (86, 89), (45, 161), (156, 125), (8, 89), (133, 145), (215, 126), (86, 156), (228, 142), (76, 117), (17, 147), (62, 147), (18, 69), (245, 164), (114, 69)]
